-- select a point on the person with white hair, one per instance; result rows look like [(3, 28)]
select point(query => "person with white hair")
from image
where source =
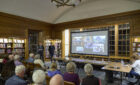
[(39, 61), (38, 77), (31, 58), (70, 75), (17, 60), (57, 80), (90, 79), (17, 79)]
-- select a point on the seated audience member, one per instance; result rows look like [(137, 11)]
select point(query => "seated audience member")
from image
[(57, 80), (8, 68), (136, 68), (31, 58), (90, 79), (39, 61), (70, 75), (17, 60), (134, 57), (5, 59), (17, 79), (39, 77), (53, 70)]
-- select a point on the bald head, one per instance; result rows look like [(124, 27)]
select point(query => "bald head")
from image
[(57, 80)]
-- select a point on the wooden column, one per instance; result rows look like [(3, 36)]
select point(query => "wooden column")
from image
[(116, 40), (63, 44), (26, 44)]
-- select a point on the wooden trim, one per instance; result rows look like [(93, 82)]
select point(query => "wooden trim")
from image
[(116, 40)]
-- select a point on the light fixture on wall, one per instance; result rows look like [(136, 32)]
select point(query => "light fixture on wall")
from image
[(60, 3)]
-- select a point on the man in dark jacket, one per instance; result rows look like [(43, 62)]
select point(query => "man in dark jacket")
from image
[(51, 51), (40, 51)]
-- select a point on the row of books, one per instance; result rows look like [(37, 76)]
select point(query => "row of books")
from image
[(7, 40), (10, 45)]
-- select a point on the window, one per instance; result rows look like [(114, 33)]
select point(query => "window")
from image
[(123, 39), (66, 42)]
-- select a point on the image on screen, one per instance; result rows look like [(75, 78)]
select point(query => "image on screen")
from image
[(93, 42)]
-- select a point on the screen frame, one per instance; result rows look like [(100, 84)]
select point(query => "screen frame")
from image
[(90, 31)]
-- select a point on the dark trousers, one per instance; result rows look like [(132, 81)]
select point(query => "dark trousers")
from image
[(41, 56), (51, 56), (132, 73)]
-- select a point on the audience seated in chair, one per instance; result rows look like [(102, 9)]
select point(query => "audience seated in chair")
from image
[(17, 60), (39, 77), (17, 79), (39, 61), (31, 58), (70, 75), (57, 80), (136, 68), (90, 79), (53, 70), (8, 68)]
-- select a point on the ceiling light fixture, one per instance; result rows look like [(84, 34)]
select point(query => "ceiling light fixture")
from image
[(60, 3)]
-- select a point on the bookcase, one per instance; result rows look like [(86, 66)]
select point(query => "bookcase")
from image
[(8, 45), (57, 45), (136, 45)]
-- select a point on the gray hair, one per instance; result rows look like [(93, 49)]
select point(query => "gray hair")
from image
[(38, 76), (88, 69), (37, 56), (31, 54), (71, 67), (16, 57), (19, 69)]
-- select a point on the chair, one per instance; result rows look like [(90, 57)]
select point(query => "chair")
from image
[(68, 83), (48, 79), (136, 82)]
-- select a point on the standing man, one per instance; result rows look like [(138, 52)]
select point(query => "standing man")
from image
[(40, 51), (51, 51)]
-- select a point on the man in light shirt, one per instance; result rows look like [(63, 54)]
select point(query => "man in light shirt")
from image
[(136, 68)]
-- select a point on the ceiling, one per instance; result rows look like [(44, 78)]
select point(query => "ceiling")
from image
[(44, 10)]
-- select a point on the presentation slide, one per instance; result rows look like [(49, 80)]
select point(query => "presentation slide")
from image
[(93, 42)]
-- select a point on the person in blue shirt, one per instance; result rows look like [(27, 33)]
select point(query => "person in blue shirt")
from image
[(53, 70), (17, 79), (31, 58)]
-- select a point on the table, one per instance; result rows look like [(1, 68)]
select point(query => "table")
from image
[(95, 62), (117, 66)]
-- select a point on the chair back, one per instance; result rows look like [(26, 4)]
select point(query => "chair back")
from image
[(68, 83), (48, 80)]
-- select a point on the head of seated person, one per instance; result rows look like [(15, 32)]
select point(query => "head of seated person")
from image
[(88, 69), (17, 60), (57, 80), (31, 58), (70, 75), (11, 57), (39, 61), (38, 77), (17, 79), (37, 56), (71, 67), (89, 79), (53, 70)]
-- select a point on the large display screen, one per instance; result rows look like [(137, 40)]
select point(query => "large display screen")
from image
[(90, 42)]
